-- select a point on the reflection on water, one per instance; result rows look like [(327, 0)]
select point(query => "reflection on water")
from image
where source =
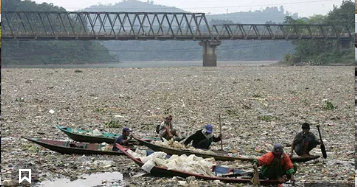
[(147, 64), (114, 179)]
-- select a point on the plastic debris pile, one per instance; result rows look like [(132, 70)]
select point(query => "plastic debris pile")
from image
[(106, 147), (96, 132), (191, 164)]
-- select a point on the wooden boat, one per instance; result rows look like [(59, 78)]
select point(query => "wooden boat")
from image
[(67, 147), (80, 135), (223, 174), (220, 155)]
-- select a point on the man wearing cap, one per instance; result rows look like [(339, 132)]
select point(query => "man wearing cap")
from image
[(123, 139), (276, 165), (304, 142), (203, 138)]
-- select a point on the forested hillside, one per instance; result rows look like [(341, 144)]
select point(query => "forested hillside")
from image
[(49, 52), (324, 52)]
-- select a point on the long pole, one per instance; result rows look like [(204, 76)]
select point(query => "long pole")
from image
[(220, 129), (322, 146)]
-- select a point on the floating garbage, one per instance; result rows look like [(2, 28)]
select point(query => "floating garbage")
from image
[(227, 91)]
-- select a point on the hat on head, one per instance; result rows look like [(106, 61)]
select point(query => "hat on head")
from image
[(208, 128), (126, 129), (305, 126), (278, 148)]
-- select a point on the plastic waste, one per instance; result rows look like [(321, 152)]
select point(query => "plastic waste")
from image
[(96, 132)]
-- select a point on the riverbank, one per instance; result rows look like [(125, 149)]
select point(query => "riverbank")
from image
[(258, 106), (144, 64)]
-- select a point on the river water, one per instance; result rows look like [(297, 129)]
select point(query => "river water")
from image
[(146, 64), (98, 179)]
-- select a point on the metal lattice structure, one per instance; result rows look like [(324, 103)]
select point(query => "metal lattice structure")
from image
[(280, 31), (152, 26)]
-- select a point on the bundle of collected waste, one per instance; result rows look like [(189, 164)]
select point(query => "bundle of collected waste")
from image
[(106, 147), (96, 132), (191, 163)]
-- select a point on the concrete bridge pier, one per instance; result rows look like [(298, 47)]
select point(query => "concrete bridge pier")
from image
[(209, 52)]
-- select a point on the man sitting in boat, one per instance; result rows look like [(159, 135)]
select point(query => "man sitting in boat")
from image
[(203, 138), (166, 130), (276, 165), (304, 142), (123, 139)]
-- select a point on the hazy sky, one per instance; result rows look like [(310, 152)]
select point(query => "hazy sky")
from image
[(304, 8)]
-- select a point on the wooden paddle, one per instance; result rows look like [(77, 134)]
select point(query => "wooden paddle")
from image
[(255, 180), (322, 146), (220, 130)]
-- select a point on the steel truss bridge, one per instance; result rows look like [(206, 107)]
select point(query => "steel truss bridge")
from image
[(35, 25)]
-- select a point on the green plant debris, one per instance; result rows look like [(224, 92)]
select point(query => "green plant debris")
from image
[(329, 106), (267, 118), (232, 112), (257, 96), (113, 124)]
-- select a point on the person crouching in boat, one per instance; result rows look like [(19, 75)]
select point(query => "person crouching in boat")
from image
[(276, 165), (304, 142), (123, 139), (203, 138), (166, 130)]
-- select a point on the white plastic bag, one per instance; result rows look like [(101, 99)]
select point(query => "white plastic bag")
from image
[(159, 162), (96, 132), (148, 166), (161, 155), (135, 154)]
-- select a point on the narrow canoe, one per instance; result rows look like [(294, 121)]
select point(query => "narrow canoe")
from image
[(222, 173), (67, 147), (220, 155), (80, 135)]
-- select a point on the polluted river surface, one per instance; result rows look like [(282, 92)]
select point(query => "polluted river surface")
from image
[(258, 107)]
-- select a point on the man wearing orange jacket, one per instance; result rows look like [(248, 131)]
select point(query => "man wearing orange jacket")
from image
[(276, 165)]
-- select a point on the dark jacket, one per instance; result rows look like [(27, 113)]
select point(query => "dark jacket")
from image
[(199, 136), (119, 140)]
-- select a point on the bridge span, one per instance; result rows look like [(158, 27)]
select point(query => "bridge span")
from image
[(30, 25)]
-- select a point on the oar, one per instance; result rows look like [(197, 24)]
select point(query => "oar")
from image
[(255, 180), (323, 150), (220, 129)]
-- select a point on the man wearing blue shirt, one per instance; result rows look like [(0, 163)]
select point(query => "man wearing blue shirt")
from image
[(123, 139)]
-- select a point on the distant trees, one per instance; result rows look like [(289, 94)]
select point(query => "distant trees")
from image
[(323, 52), (220, 21), (49, 52)]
